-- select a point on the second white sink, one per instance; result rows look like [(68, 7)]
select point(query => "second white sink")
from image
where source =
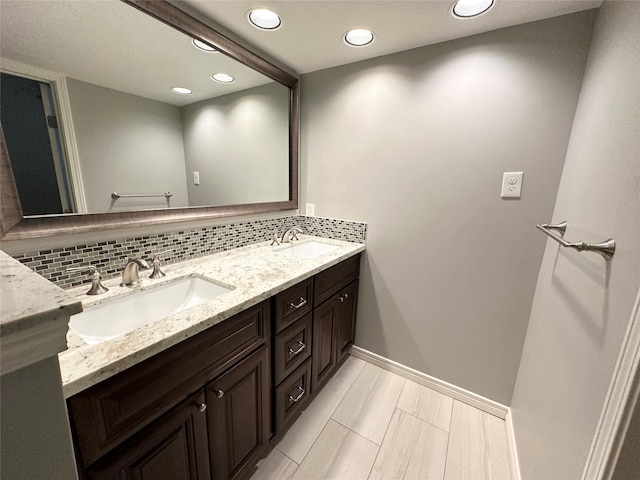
[(122, 315), (310, 249)]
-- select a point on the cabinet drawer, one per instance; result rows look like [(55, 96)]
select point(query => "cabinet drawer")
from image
[(292, 304), (331, 280), (108, 413), (292, 395), (291, 347)]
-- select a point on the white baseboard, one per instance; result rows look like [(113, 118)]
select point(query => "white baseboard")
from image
[(514, 463), (458, 393)]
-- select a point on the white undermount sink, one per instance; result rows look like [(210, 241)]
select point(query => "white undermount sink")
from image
[(310, 249), (122, 315)]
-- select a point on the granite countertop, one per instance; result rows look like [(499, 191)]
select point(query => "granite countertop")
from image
[(254, 273), (29, 299), (33, 315)]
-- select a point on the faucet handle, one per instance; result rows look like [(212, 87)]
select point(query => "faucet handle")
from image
[(96, 285), (294, 233), (157, 273), (274, 240), (160, 254)]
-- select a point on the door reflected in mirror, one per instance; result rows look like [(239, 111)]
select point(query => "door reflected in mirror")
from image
[(99, 78), (29, 122)]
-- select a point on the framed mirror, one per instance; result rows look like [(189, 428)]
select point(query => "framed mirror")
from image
[(126, 150)]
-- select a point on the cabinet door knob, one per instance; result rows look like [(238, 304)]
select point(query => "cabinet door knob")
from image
[(300, 395), (302, 303), (219, 393), (301, 345), (346, 295), (341, 298), (202, 407)]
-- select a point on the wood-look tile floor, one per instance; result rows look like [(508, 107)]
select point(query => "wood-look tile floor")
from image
[(368, 423)]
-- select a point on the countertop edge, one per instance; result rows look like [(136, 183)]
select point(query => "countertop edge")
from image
[(35, 316)]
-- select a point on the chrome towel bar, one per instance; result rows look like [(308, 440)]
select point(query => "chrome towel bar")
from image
[(116, 195), (606, 248)]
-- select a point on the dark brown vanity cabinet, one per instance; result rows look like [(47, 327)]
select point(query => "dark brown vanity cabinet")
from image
[(208, 391), (313, 328), (207, 407), (334, 318)]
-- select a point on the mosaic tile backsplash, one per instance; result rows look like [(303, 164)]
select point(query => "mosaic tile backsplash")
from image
[(109, 256)]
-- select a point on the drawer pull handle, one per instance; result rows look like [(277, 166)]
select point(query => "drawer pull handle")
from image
[(219, 393), (202, 407), (302, 303), (299, 350), (300, 395)]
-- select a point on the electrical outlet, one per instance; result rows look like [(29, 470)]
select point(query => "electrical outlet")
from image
[(196, 178), (511, 184), (310, 209)]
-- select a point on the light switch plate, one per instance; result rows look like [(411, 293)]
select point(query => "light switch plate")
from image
[(511, 184), (196, 178)]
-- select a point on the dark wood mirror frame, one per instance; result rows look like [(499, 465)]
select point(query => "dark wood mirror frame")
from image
[(15, 226)]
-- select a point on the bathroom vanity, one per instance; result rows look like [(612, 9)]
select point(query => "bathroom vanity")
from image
[(202, 393)]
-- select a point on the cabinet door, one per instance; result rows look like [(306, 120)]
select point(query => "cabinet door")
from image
[(238, 416), (174, 447), (323, 351), (346, 318)]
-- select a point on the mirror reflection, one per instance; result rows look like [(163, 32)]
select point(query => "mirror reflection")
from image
[(88, 111)]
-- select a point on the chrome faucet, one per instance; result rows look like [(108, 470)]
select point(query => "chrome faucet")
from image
[(130, 275), (291, 234)]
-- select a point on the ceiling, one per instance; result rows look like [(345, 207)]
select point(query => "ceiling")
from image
[(310, 37), (108, 43), (111, 44)]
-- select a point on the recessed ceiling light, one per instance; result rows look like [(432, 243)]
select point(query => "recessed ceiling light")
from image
[(470, 8), (264, 19), (222, 78), (202, 46), (358, 37), (181, 90)]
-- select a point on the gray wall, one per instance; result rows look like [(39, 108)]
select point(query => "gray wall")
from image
[(415, 143), (34, 419), (582, 305), (127, 144), (239, 143)]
